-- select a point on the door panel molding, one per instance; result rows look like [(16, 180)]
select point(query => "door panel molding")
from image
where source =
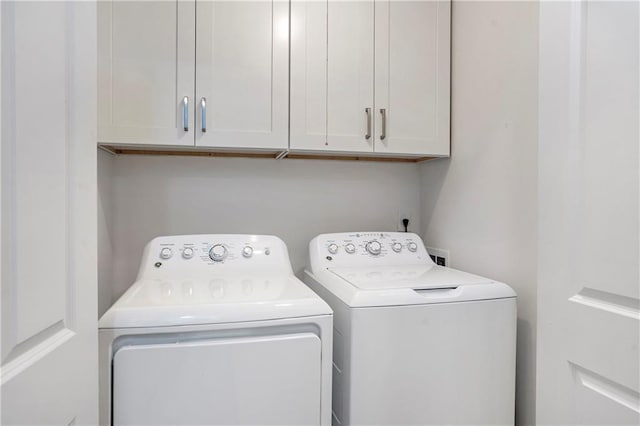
[(610, 302), (616, 392), (25, 354)]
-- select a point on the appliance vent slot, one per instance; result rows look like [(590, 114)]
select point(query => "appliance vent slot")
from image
[(434, 290)]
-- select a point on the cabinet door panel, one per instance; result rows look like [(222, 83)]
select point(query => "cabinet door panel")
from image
[(349, 74), (145, 69), (331, 75), (308, 113), (242, 71), (412, 77)]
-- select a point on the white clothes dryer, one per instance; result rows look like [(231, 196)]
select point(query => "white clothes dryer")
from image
[(216, 331), (414, 343)]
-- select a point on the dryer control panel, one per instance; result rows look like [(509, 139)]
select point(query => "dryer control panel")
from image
[(366, 249), (197, 255)]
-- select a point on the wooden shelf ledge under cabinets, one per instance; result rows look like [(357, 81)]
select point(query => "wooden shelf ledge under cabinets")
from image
[(118, 150)]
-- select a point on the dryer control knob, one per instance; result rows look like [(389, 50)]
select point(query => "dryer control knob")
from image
[(413, 247), (333, 248), (187, 252), (350, 248), (166, 253), (397, 247), (218, 253), (374, 247), (247, 251)]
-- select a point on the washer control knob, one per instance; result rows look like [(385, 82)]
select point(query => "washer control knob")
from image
[(413, 247), (187, 252), (166, 253), (397, 247), (350, 248), (247, 252), (218, 253), (374, 247), (333, 248)]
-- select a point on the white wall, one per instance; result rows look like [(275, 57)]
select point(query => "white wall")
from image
[(481, 203), (105, 230), (294, 199)]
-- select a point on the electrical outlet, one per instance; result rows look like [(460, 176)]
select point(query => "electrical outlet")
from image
[(402, 214), (439, 256)]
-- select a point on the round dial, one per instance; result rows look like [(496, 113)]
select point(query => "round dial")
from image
[(247, 251), (187, 252), (413, 247), (397, 247), (374, 247), (166, 253), (350, 248), (218, 253), (333, 248)]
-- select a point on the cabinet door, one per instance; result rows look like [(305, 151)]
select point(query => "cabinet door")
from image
[(242, 74), (308, 113), (332, 75), (412, 77), (146, 63)]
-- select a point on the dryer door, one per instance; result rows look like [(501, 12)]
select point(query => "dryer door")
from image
[(267, 380)]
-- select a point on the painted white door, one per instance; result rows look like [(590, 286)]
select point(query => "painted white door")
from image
[(242, 74), (589, 280), (146, 52), (332, 45), (49, 315), (412, 51)]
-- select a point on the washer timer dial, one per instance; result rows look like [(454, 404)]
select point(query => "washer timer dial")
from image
[(374, 247), (218, 253)]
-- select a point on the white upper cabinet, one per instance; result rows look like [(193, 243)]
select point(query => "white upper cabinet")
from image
[(157, 88), (146, 85), (370, 83), (242, 74), (412, 77), (354, 76)]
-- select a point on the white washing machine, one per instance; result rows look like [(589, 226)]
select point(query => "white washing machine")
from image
[(216, 331), (414, 343)]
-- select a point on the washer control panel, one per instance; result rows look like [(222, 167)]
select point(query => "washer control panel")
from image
[(367, 248), (190, 255)]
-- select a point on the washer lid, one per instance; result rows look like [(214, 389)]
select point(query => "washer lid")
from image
[(222, 299), (415, 277)]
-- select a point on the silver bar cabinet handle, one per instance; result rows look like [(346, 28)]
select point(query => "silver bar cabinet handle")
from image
[(203, 112), (368, 134), (185, 113), (383, 112)]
